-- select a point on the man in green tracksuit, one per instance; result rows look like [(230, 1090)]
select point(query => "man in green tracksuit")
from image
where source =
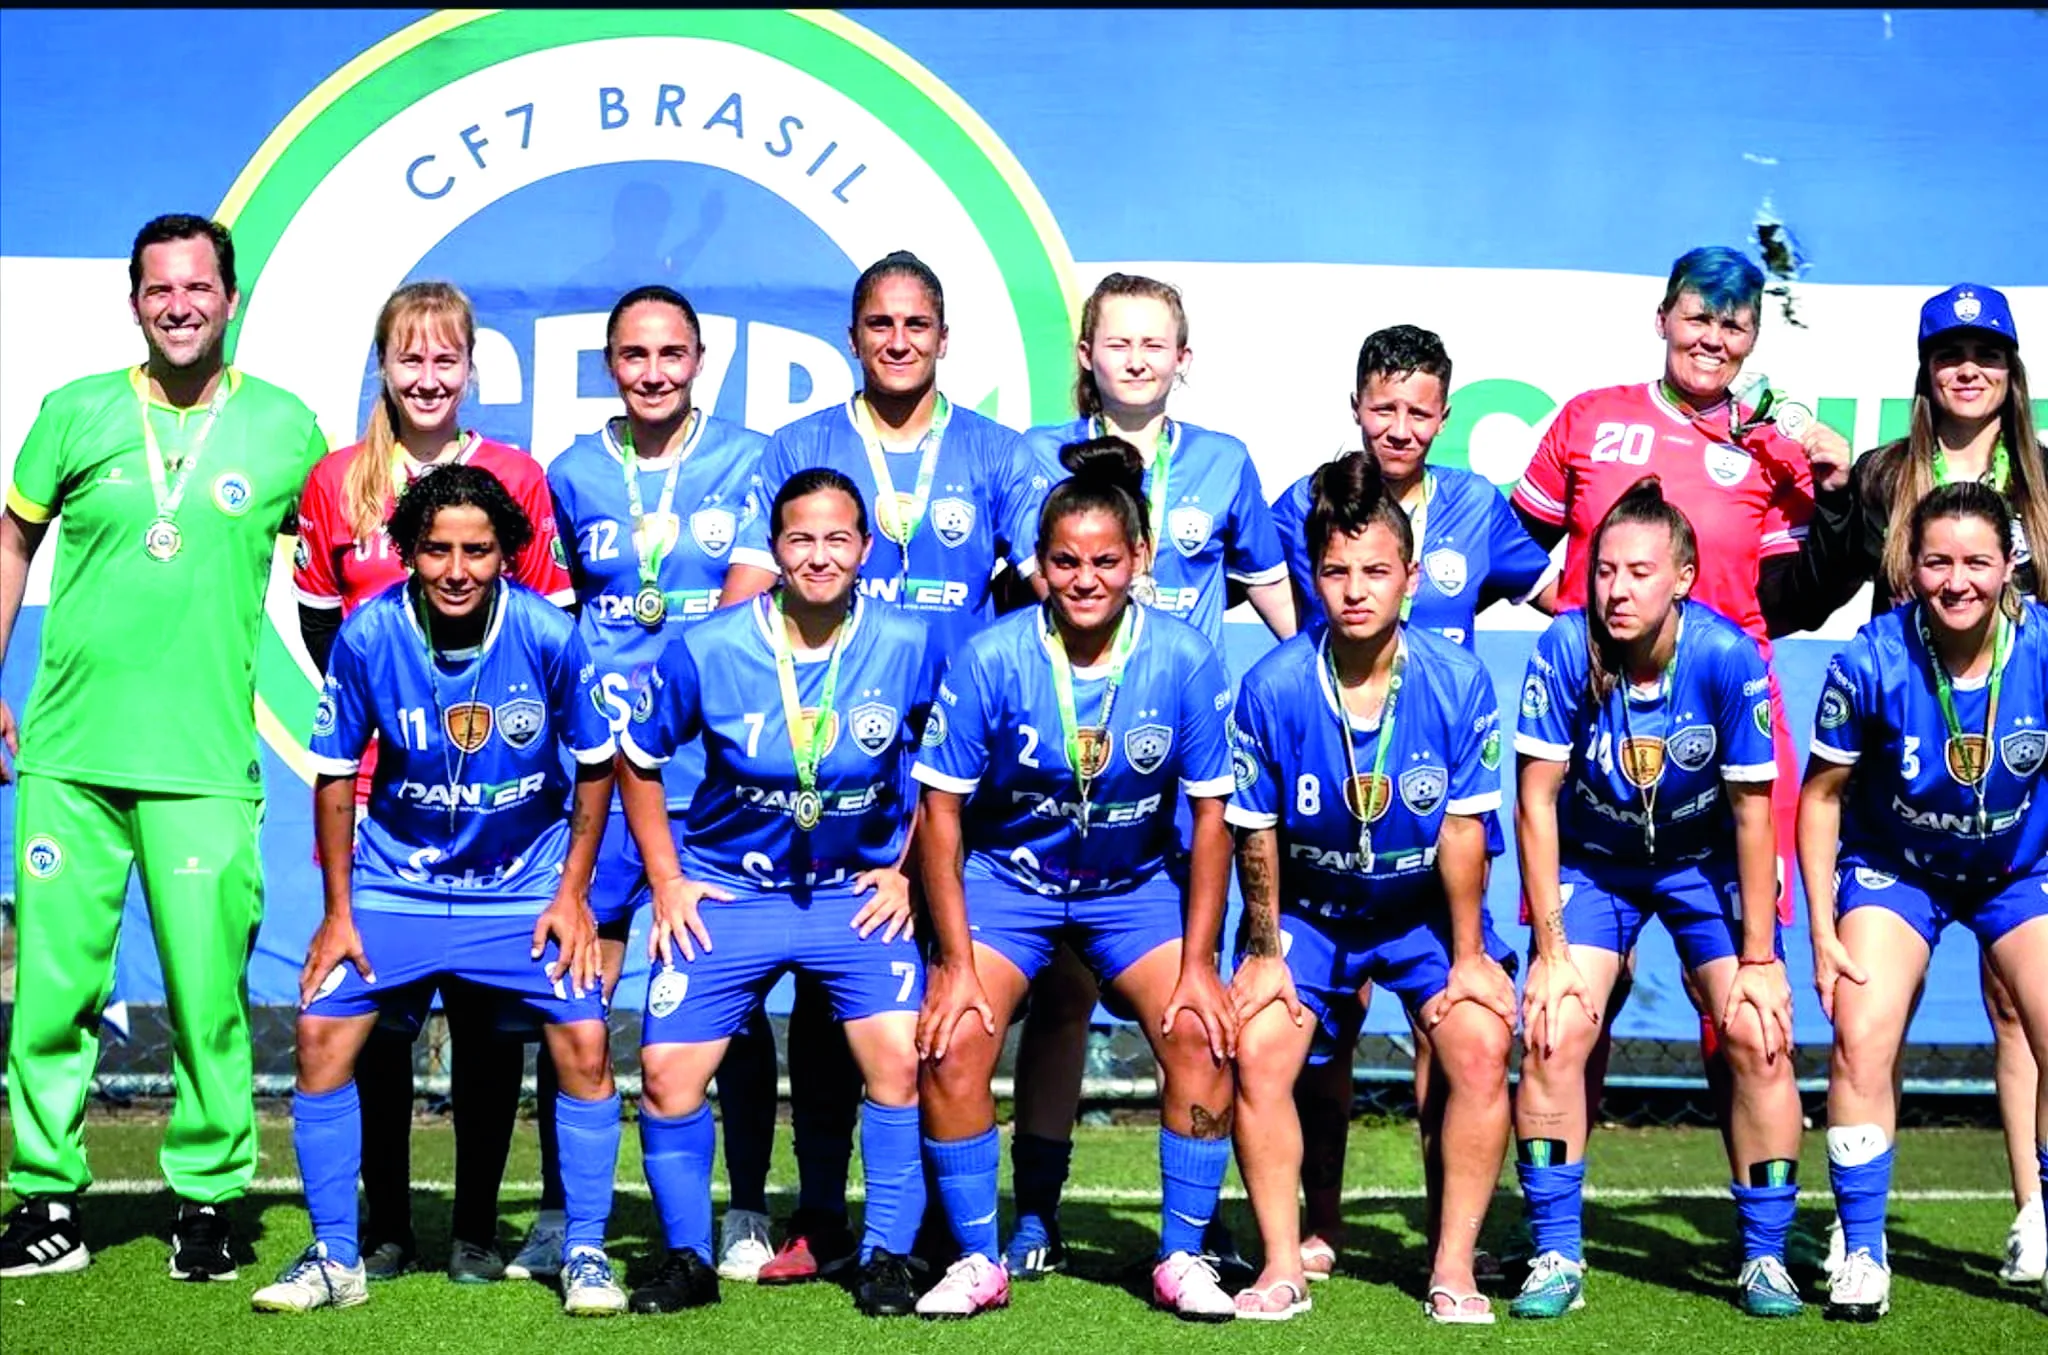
[(169, 484)]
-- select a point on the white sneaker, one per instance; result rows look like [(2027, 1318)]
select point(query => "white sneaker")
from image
[(1186, 1285), (541, 1254), (1862, 1290), (743, 1245), (312, 1282), (2026, 1246), (588, 1286), (1831, 1265)]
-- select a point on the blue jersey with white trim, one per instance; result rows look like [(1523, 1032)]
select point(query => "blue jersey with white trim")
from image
[(699, 534), (1218, 526), (469, 804), (1714, 725), (995, 736), (983, 508), (1294, 775), (1913, 801), (719, 681), (1473, 550)]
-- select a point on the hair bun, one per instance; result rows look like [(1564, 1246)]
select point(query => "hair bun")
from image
[(1106, 461)]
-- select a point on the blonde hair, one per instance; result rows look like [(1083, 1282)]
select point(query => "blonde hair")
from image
[(1087, 396), (417, 307), (1912, 479)]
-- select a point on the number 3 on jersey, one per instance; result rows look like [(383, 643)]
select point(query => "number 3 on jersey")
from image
[(1628, 443)]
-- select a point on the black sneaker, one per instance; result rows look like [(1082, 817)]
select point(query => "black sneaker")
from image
[(685, 1280), (1219, 1249), (42, 1238), (200, 1242), (888, 1286)]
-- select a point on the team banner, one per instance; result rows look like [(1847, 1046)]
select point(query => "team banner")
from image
[(1303, 177)]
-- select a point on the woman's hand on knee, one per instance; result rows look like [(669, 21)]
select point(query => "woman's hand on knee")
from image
[(1199, 996)]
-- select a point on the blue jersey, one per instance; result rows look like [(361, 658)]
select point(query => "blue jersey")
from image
[(1650, 750), (469, 805), (1472, 547), (983, 507), (698, 535), (1914, 801), (1217, 524), (995, 736), (1293, 773), (719, 681)]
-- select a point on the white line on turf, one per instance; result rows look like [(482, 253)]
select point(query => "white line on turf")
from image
[(1131, 1195)]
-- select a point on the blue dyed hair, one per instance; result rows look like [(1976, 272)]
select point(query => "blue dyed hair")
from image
[(1724, 278)]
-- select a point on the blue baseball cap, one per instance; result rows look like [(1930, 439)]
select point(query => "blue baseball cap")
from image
[(1968, 306)]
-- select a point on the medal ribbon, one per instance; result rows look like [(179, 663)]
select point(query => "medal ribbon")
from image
[(169, 487), (650, 560), (1998, 474), (401, 478), (886, 501), (1666, 681), (1379, 752), (807, 752), (1063, 690), (1163, 448), (425, 613), (1944, 692)]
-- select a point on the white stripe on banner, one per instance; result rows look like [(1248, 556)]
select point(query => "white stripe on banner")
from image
[(1131, 1195)]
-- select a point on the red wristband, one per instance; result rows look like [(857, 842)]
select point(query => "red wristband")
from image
[(1742, 963)]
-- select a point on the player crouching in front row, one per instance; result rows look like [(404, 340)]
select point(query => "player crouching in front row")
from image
[(438, 886)]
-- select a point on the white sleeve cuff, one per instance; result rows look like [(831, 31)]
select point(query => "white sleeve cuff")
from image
[(1475, 805), (755, 559), (334, 766), (1759, 771), (1841, 757), (938, 780), (1276, 574), (1025, 567), (1214, 788), (1550, 572), (1239, 817), (563, 597), (1528, 745), (637, 755), (317, 601), (604, 752)]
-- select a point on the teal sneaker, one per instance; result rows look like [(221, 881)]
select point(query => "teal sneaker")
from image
[(1766, 1290), (1556, 1286)]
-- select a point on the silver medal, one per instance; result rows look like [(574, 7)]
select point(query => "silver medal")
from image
[(163, 541)]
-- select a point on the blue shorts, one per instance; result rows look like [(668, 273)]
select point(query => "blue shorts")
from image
[(1408, 953), (1928, 905), (412, 954), (1606, 907), (755, 938), (618, 883), (1110, 932)]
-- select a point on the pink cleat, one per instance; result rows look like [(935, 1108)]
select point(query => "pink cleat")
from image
[(1187, 1285), (971, 1284)]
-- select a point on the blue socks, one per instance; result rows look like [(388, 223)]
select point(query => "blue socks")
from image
[(966, 1170), (589, 1135), (676, 1155), (1038, 1169), (1860, 1171), (890, 1152), (1553, 1194), (1190, 1178), (1764, 1214), (327, 1135)]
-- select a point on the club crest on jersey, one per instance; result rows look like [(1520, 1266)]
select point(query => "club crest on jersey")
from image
[(1446, 569), (1367, 795), (807, 721), (1422, 788), (302, 555), (713, 529), (654, 535), (468, 725), (2024, 751), (1535, 699), (43, 857), (1244, 768), (1834, 709), (1727, 464), (1642, 761), (1874, 879), (873, 726), (952, 520), (1489, 750), (1189, 528), (1146, 747), (1693, 747), (1968, 757), (1761, 713), (1092, 745), (323, 713), (666, 992), (520, 721), (935, 726), (231, 494)]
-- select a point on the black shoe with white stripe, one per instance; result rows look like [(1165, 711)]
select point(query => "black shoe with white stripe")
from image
[(42, 1238), (200, 1244)]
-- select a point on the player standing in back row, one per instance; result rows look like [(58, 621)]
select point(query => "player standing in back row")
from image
[(171, 481)]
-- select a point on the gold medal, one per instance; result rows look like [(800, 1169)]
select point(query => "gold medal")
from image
[(650, 606), (1145, 591), (807, 809)]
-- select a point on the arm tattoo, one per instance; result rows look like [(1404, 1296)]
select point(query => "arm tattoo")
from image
[(1205, 1124), (1262, 914)]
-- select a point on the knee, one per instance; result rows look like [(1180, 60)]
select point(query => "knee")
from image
[(1743, 1045), (1187, 1061), (1861, 1059), (666, 1087), (963, 1075), (894, 1081), (1473, 1057), (326, 1054), (1268, 1068), (583, 1065)]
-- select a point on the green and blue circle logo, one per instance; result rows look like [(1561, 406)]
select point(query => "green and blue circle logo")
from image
[(548, 161)]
